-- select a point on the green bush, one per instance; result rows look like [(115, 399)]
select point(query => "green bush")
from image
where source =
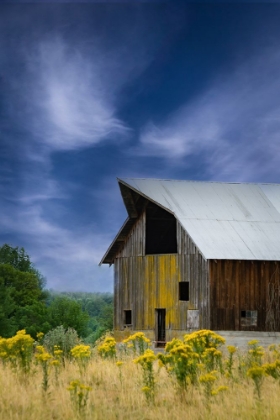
[(65, 339)]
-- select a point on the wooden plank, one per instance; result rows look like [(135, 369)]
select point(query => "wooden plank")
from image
[(144, 283)]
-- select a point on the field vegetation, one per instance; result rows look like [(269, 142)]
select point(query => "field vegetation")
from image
[(196, 378)]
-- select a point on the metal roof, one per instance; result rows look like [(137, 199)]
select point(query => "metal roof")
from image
[(225, 220)]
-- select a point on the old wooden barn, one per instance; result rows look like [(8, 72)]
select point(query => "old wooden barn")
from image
[(196, 255)]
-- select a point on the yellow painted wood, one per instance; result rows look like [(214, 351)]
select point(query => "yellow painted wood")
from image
[(144, 283)]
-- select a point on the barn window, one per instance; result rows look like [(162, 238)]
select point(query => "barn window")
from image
[(184, 290), (249, 318), (127, 318), (160, 231)]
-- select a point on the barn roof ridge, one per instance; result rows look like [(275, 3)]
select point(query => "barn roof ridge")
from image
[(198, 181)]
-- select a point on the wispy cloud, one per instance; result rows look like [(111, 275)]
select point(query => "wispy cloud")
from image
[(63, 255), (73, 107), (62, 94), (233, 126)]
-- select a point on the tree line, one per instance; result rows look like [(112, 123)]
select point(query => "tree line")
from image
[(26, 304)]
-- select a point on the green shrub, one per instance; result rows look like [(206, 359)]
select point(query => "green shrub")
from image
[(62, 338)]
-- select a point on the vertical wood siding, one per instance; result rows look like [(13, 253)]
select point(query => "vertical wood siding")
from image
[(244, 285), (144, 283)]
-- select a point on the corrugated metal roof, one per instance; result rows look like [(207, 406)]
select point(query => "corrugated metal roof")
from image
[(225, 220)]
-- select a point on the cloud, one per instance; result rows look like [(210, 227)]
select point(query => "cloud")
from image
[(68, 257), (62, 93), (233, 127), (72, 106)]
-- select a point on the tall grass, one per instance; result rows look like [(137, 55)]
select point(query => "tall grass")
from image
[(113, 390)]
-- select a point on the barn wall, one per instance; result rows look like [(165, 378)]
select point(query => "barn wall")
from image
[(237, 286), (144, 283)]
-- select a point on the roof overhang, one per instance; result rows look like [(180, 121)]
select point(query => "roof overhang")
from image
[(135, 203), (118, 242)]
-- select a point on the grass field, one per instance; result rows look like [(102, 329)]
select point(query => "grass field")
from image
[(113, 386)]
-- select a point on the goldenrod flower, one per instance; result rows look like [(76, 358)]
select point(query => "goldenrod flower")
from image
[(231, 349)]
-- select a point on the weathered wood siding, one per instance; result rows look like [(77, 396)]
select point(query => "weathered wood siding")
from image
[(237, 286), (144, 283), (194, 268)]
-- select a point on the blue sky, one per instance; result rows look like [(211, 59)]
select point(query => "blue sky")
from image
[(90, 92)]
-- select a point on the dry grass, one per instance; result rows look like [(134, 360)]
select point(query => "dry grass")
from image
[(116, 394)]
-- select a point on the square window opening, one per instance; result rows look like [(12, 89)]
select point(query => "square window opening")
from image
[(127, 317), (184, 290), (249, 318)]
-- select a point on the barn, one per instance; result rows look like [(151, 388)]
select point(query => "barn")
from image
[(194, 255)]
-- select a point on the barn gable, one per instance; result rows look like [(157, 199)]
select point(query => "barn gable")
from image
[(225, 220), (197, 255)]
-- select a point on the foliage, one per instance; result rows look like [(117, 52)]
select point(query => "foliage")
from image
[(202, 340), (22, 380), (257, 374), (255, 354), (181, 362), (146, 361), (17, 350), (21, 290), (272, 369), (229, 362), (64, 339), (19, 259), (44, 359), (208, 380), (79, 395), (24, 304), (137, 342), (107, 349), (98, 306), (197, 352), (81, 353), (7, 309), (67, 312), (16, 257), (34, 318)]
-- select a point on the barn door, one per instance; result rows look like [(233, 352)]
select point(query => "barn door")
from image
[(160, 327)]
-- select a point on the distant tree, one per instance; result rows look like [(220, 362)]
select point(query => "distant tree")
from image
[(33, 318), (69, 313), (20, 260), (16, 257), (7, 308), (99, 307), (106, 317), (21, 290)]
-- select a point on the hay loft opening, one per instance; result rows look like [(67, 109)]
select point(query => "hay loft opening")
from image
[(160, 231)]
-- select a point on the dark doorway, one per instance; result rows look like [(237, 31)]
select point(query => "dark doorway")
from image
[(127, 317), (160, 327)]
